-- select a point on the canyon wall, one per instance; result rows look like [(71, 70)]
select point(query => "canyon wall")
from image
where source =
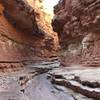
[(77, 23), (22, 37)]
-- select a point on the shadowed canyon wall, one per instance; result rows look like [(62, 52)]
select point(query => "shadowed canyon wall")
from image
[(22, 37), (77, 23)]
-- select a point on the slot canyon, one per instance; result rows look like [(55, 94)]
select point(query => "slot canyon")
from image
[(49, 50)]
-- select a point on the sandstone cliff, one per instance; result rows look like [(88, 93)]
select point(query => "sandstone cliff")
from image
[(78, 25), (22, 37)]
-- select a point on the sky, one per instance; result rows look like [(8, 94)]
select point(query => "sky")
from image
[(49, 4)]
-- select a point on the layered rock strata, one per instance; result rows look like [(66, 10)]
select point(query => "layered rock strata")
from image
[(22, 38), (82, 80), (78, 25)]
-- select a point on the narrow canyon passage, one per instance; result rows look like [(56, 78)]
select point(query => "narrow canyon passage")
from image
[(49, 49)]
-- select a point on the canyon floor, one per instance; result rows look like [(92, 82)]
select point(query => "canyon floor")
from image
[(48, 81)]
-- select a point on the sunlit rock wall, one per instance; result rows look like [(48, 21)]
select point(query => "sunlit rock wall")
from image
[(22, 38), (78, 25)]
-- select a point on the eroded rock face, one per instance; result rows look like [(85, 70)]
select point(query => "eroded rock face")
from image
[(20, 11), (83, 80), (78, 25), (21, 36)]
